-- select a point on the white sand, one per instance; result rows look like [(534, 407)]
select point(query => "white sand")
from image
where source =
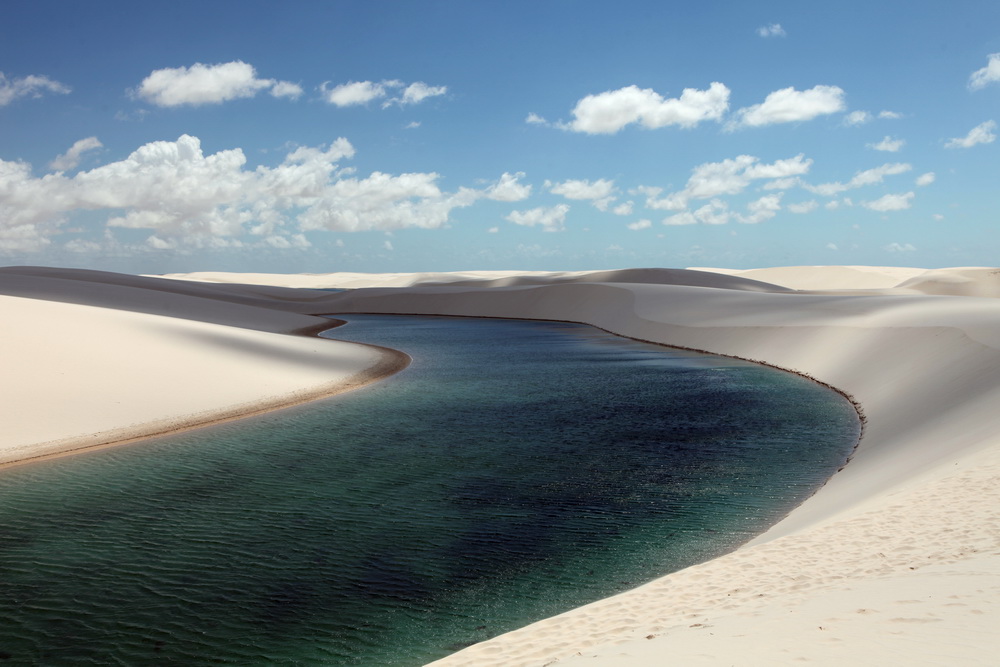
[(77, 375), (895, 561)]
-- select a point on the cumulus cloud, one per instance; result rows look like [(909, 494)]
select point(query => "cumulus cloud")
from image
[(71, 158), (732, 176), (803, 207), (987, 75), (639, 224), (186, 198), (610, 111), (980, 134), (417, 92), (889, 115), (550, 219), (625, 208), (534, 119), (888, 144), (728, 177), (582, 189), (789, 105), (773, 30), (762, 209), (287, 89), (899, 247), (208, 84), (354, 93), (685, 218), (890, 202), (925, 179), (509, 188), (32, 86)]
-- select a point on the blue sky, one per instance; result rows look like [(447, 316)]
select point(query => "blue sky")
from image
[(437, 136)]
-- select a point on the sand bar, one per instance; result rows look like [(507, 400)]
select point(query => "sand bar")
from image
[(895, 561)]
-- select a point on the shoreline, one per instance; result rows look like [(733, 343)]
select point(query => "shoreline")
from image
[(392, 362)]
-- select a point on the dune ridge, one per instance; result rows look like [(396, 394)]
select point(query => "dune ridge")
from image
[(896, 560)]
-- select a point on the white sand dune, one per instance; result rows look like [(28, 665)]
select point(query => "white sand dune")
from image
[(91, 358), (826, 277), (895, 561)]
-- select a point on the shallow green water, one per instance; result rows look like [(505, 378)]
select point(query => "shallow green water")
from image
[(515, 470)]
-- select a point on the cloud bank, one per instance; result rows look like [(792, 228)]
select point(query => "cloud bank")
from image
[(186, 198)]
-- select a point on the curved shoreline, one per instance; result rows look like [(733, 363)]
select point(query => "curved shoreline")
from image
[(393, 362), (923, 367)]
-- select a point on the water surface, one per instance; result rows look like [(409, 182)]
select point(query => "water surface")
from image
[(514, 471)]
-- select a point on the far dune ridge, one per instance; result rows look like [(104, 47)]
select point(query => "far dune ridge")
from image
[(896, 560)]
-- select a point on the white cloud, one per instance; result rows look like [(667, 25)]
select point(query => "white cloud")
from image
[(793, 166), (582, 189), (412, 125), (672, 202), (417, 92), (890, 202), (732, 176), (32, 85), (640, 224), (287, 89), (862, 117), (980, 134), (987, 75), (831, 246), (715, 212), (353, 93), (508, 188), (938, 217), (857, 118), (610, 111), (888, 144), (899, 247), (925, 179), (625, 208), (387, 245), (783, 183), (762, 209), (208, 84), (493, 230), (187, 198), (773, 30), (534, 119), (861, 179), (789, 105), (685, 218), (804, 207), (71, 158), (550, 219)]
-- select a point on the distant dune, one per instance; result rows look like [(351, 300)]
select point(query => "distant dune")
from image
[(896, 560)]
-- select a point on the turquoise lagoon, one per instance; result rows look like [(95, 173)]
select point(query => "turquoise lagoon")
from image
[(515, 470)]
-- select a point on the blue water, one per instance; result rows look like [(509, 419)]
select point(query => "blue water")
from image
[(513, 471)]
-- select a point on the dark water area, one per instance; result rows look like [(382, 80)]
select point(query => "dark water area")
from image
[(515, 470)]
